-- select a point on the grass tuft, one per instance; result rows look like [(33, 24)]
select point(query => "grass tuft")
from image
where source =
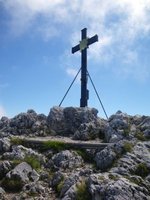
[(12, 185), (16, 141), (127, 147), (142, 170), (82, 192), (140, 136), (33, 162), (55, 145)]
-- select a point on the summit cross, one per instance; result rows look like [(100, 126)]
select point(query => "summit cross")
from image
[(82, 46)]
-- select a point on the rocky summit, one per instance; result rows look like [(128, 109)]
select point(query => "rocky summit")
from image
[(53, 170)]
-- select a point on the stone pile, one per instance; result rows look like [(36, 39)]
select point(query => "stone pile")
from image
[(121, 171), (29, 123)]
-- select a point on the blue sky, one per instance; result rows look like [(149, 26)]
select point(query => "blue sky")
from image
[(37, 67)]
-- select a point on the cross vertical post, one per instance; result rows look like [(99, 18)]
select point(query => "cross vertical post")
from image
[(84, 91), (82, 46)]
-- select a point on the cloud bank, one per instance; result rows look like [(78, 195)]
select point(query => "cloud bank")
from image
[(119, 24)]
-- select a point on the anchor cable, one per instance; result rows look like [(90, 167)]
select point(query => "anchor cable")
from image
[(97, 95), (69, 87)]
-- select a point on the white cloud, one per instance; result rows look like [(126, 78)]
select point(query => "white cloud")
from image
[(133, 16), (2, 111), (119, 24), (72, 73)]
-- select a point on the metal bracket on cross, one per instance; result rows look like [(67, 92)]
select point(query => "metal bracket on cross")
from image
[(83, 44)]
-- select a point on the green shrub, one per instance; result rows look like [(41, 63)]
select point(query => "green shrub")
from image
[(32, 160), (140, 136), (84, 155), (126, 132), (16, 141), (101, 178), (113, 177), (127, 147), (142, 170), (134, 179), (101, 134), (13, 185), (56, 145), (16, 162), (60, 186), (82, 192)]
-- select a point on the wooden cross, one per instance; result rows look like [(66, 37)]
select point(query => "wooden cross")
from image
[(82, 46)]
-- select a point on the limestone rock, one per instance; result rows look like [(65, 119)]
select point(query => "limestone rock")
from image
[(68, 120), (34, 176), (16, 178), (24, 124), (87, 131), (145, 124), (20, 153), (4, 145), (57, 178), (105, 158), (34, 188), (5, 167), (2, 192), (69, 187), (67, 160), (129, 162), (111, 186)]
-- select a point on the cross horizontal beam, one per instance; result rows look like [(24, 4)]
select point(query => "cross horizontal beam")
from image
[(76, 48), (90, 41)]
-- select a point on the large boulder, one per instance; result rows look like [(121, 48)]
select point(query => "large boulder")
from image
[(67, 121), (119, 126), (67, 160), (112, 186), (24, 124), (87, 131), (18, 177), (69, 186), (105, 158), (135, 162), (4, 145)]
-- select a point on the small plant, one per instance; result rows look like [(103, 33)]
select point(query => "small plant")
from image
[(101, 178), (113, 177), (127, 147), (142, 170), (84, 155), (126, 132), (60, 186), (134, 179), (82, 192), (13, 185), (140, 136), (32, 160), (16, 162), (56, 145), (16, 141), (101, 134)]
